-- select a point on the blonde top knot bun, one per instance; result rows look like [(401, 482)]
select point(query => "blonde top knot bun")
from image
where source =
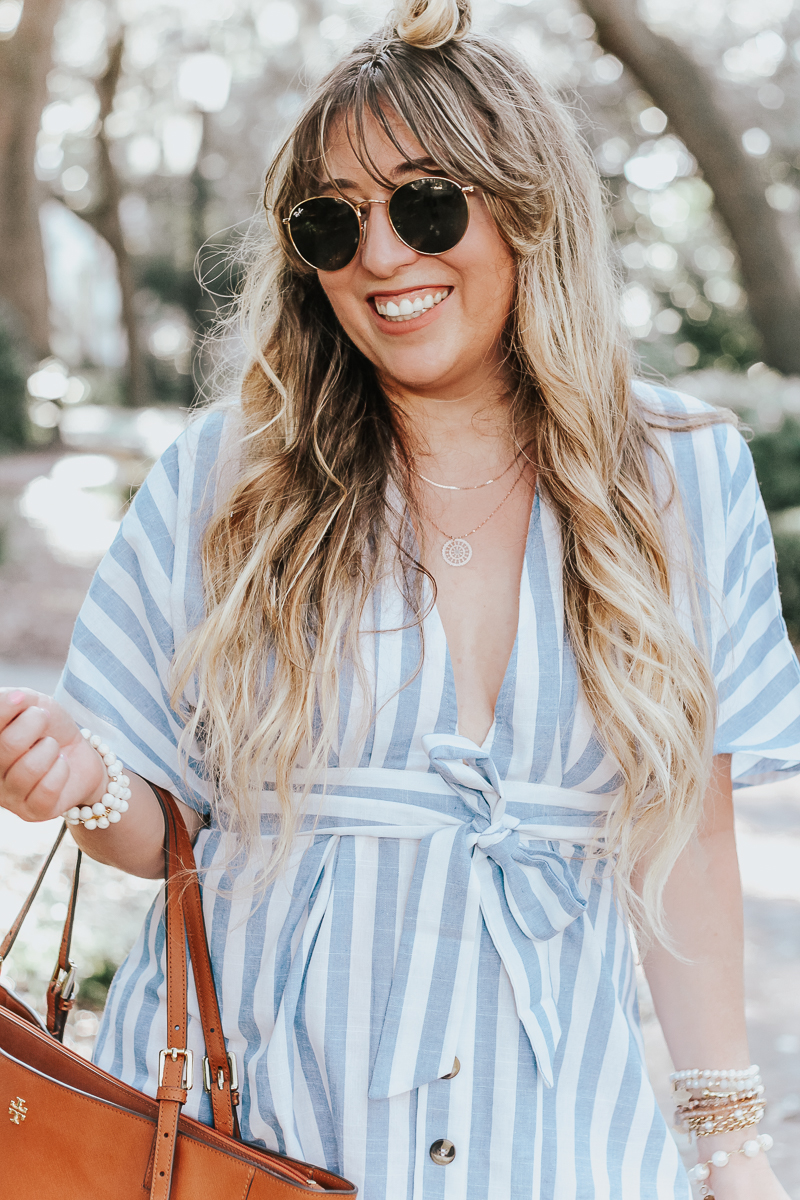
[(429, 24)]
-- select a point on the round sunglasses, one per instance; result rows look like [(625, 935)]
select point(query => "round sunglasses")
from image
[(428, 215)]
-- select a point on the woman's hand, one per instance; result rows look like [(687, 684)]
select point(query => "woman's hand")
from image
[(46, 767)]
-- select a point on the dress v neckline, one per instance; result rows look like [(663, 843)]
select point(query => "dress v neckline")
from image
[(432, 614)]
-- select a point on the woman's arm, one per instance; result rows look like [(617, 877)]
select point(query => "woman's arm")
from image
[(46, 768), (700, 1003), (136, 843)]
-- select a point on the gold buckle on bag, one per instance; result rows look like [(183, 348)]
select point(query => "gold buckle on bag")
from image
[(65, 986), (207, 1082), (188, 1065)]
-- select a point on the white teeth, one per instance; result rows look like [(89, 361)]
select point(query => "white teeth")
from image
[(407, 309)]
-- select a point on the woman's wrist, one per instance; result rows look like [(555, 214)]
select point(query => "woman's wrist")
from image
[(730, 1169), (730, 1142), (96, 776), (135, 844), (107, 810)]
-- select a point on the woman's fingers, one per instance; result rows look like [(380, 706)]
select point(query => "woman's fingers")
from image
[(13, 701), (29, 781), (46, 767), (46, 799), (21, 734)]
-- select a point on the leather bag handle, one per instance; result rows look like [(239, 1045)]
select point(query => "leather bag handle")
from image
[(62, 982), (11, 936), (183, 885), (184, 917)]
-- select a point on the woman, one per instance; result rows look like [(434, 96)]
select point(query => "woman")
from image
[(449, 641)]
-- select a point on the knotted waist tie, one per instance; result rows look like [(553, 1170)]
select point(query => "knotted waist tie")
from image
[(492, 865)]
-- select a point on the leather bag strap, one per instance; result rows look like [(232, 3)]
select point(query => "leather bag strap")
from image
[(62, 984), (184, 918), (185, 885), (174, 1061), (11, 936), (59, 990)]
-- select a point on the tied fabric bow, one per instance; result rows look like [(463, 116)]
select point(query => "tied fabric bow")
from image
[(526, 895)]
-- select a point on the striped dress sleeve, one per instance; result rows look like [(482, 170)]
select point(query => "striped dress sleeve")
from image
[(146, 594), (755, 666)]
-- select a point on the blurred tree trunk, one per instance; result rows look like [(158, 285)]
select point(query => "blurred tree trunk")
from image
[(200, 300), (104, 218), (684, 91), (25, 59)]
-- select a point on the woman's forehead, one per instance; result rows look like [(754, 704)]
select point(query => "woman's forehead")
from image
[(369, 151)]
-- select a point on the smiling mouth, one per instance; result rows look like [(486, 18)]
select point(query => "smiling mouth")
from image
[(410, 306)]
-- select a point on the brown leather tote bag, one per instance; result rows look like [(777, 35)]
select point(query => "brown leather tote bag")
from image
[(69, 1131)]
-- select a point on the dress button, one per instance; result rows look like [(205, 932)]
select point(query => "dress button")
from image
[(442, 1152), (455, 1070)]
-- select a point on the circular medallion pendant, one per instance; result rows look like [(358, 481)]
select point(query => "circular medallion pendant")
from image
[(457, 552)]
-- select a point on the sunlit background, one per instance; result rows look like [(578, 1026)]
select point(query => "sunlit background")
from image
[(142, 129)]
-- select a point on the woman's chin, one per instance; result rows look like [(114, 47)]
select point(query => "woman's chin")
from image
[(415, 373)]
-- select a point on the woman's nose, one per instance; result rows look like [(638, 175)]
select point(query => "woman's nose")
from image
[(382, 252)]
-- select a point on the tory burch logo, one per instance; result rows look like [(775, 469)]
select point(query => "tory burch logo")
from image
[(17, 1110)]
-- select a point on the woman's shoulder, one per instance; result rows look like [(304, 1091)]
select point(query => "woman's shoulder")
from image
[(664, 401), (190, 472), (708, 456), (204, 447)]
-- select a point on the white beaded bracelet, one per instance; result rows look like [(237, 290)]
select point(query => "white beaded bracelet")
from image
[(721, 1158), (114, 803), (739, 1080), (697, 1072)]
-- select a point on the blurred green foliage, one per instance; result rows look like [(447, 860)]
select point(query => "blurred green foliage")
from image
[(94, 988), (173, 284), (787, 548), (777, 461), (727, 340), (776, 456), (13, 419)]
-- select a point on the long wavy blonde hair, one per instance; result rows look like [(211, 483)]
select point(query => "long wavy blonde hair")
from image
[(295, 548)]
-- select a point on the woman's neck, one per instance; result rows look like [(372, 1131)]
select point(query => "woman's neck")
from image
[(459, 437)]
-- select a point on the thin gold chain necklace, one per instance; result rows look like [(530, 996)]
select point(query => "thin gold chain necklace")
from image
[(450, 487), (456, 550)]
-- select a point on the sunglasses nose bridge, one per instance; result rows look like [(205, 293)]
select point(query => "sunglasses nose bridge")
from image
[(364, 217)]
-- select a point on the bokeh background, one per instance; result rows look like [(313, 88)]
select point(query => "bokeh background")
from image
[(133, 139)]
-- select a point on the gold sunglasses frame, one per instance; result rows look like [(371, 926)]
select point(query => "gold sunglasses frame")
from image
[(465, 189)]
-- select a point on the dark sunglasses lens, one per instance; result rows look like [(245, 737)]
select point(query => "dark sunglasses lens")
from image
[(325, 232), (430, 215)]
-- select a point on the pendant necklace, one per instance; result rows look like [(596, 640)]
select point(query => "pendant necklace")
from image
[(457, 551)]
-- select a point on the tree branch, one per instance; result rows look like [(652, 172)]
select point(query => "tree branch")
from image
[(24, 62), (104, 218), (680, 86)]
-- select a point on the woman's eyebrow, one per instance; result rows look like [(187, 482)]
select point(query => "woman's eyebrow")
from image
[(406, 167), (414, 164)]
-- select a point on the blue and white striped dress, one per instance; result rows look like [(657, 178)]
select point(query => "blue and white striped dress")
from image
[(442, 906)]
